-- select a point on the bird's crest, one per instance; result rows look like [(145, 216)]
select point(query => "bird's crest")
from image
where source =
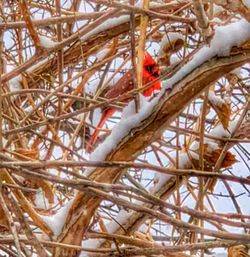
[(148, 60)]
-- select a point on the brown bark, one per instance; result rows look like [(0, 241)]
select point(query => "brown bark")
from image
[(150, 129)]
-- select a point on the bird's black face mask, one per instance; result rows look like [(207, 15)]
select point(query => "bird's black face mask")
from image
[(153, 70)]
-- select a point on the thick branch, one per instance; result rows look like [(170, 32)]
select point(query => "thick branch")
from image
[(150, 129)]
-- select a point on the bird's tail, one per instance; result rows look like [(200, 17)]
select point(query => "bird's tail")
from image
[(105, 116)]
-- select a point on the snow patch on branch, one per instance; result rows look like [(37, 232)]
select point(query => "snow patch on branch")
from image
[(218, 254), (237, 72), (91, 244), (216, 100), (184, 162), (57, 221), (15, 83), (169, 39), (160, 180), (30, 108), (108, 24), (47, 42), (120, 219), (91, 88), (225, 38), (129, 120), (102, 53), (41, 201), (217, 9), (247, 3), (38, 64), (220, 132), (174, 59)]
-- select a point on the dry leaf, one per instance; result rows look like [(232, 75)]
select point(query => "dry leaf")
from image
[(228, 161), (33, 154), (3, 220), (210, 159), (238, 251), (27, 154), (212, 184), (25, 203), (223, 111), (47, 189)]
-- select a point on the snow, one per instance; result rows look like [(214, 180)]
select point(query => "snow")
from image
[(92, 244), (38, 64), (217, 9), (169, 38), (101, 54), (246, 3), (57, 221), (216, 20), (184, 161), (108, 24), (46, 42), (224, 39), (237, 72), (194, 146), (30, 108), (220, 254), (42, 129), (220, 132), (160, 180), (211, 146), (174, 59), (41, 201), (120, 219), (232, 35), (15, 83), (91, 88), (97, 113), (216, 100), (128, 121)]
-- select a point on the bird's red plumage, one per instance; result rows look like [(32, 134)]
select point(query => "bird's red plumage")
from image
[(151, 72)]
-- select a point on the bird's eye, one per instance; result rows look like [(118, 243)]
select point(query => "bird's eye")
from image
[(149, 69), (153, 70)]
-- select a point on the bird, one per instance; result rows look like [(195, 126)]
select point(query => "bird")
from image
[(150, 73)]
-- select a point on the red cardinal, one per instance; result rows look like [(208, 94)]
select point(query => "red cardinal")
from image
[(150, 72)]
